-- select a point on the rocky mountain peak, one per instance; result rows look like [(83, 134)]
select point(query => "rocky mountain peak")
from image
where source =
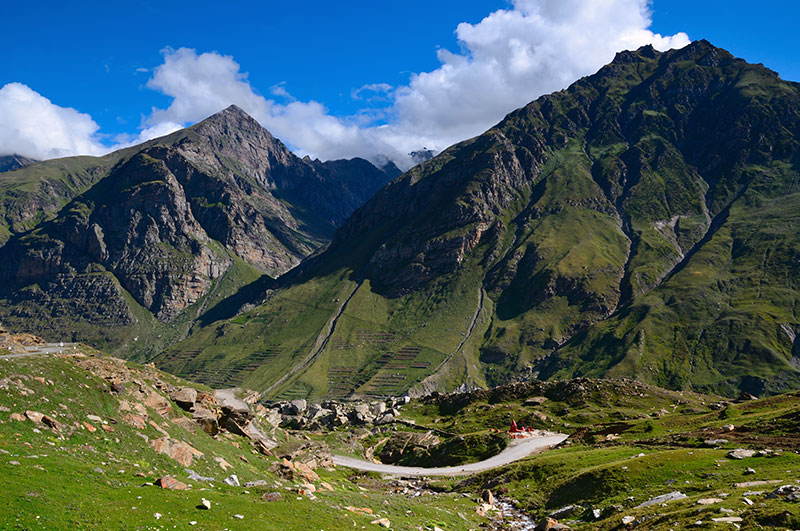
[(234, 123), (236, 117), (14, 161)]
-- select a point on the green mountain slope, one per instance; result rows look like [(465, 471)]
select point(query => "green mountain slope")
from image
[(639, 223), (173, 227)]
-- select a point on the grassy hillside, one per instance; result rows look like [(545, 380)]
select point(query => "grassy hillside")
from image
[(638, 224), (630, 443), (74, 477)]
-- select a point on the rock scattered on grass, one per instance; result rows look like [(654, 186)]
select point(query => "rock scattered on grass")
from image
[(171, 483), (670, 496), (708, 501), (741, 453), (789, 493)]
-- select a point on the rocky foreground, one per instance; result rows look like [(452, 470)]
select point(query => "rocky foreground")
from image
[(87, 434)]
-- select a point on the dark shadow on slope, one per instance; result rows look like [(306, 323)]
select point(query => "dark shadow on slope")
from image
[(251, 293)]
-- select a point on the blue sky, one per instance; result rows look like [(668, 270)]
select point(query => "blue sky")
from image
[(304, 64)]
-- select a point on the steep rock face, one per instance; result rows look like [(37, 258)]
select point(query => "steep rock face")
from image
[(169, 219), (13, 162), (615, 227), (136, 225), (35, 191)]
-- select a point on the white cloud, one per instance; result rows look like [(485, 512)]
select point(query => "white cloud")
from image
[(514, 56), (145, 134), (506, 60), (33, 126)]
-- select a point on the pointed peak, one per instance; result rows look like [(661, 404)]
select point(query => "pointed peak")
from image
[(230, 113), (231, 117), (234, 110)]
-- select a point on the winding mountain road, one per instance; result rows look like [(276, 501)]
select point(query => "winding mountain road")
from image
[(515, 451)]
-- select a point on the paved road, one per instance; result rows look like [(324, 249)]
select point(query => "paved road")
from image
[(49, 348), (514, 452)]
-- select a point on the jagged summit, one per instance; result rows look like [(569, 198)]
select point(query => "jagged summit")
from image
[(234, 116)]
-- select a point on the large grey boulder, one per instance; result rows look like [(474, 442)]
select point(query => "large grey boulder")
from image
[(235, 412), (185, 397), (206, 418)]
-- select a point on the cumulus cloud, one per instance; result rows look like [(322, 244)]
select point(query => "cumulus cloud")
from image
[(505, 61), (514, 56), (34, 126), (145, 134)]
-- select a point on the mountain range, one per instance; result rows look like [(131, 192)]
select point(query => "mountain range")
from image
[(641, 223), (154, 234)]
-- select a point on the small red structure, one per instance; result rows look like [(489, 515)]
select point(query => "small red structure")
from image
[(521, 431)]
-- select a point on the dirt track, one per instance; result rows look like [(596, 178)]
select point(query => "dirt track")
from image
[(514, 452)]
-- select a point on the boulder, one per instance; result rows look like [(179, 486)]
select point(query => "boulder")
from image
[(177, 450), (254, 433), (256, 483), (790, 493), (387, 418), (185, 397), (34, 416), (670, 496), (235, 413), (157, 402), (298, 406), (534, 401), (194, 476), (171, 483), (271, 496), (273, 417), (206, 418), (231, 480), (306, 472), (315, 412), (284, 469), (708, 501), (741, 453)]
